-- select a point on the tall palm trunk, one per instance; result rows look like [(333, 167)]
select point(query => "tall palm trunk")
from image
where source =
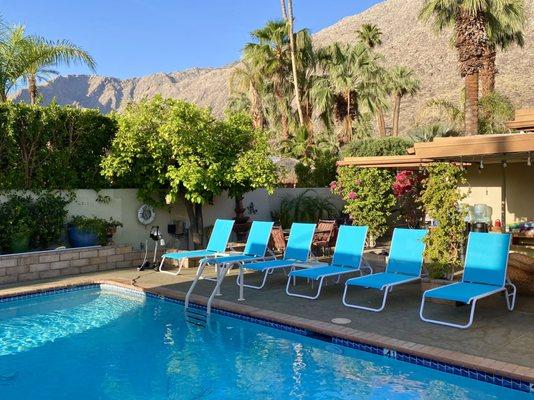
[(32, 88), (488, 71), (289, 17), (471, 104), (471, 40), (258, 120), (347, 121), (284, 119), (381, 122), (396, 113)]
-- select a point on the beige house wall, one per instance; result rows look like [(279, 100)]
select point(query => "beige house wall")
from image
[(485, 187)]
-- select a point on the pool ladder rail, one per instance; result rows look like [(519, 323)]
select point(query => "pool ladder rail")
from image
[(221, 271), (196, 316)]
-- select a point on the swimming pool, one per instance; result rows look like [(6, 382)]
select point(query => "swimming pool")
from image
[(103, 343)]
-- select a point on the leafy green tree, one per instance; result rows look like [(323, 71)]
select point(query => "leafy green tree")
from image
[(175, 150), (391, 146), (402, 82), (12, 61), (370, 35)]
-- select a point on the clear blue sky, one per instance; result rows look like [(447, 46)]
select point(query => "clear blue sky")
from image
[(138, 37)]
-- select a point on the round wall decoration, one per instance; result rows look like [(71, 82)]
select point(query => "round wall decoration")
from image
[(146, 214)]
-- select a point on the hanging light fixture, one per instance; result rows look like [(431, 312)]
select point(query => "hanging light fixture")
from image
[(481, 163), (504, 163), (529, 160)]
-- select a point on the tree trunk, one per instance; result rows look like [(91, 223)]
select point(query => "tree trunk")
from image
[(488, 71), (347, 121), (471, 104), (289, 18), (381, 123), (284, 9), (196, 224), (32, 89), (396, 113), (3, 94), (255, 107)]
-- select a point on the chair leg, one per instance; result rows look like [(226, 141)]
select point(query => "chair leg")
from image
[(386, 290), (317, 294), (510, 297), (266, 273), (445, 323), (180, 266)]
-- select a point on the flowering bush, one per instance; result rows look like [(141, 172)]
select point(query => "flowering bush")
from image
[(407, 188), (369, 196)]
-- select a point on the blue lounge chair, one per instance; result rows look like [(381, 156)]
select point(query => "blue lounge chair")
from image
[(347, 259), (485, 268), (297, 250), (255, 249), (216, 246), (404, 266)]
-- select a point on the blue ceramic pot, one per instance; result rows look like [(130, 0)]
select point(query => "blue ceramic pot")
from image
[(78, 238)]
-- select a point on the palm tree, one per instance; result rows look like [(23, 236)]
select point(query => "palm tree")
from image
[(468, 17), (504, 26), (12, 58), (42, 55), (370, 34), (247, 79), (287, 13), (269, 55), (402, 82)]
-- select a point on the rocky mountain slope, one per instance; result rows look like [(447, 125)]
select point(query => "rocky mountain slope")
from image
[(406, 41)]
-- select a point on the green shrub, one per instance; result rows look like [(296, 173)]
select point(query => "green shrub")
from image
[(58, 147), (320, 173), (369, 196), (390, 146), (441, 198), (495, 110), (306, 207), (98, 226), (15, 220), (41, 217), (49, 213)]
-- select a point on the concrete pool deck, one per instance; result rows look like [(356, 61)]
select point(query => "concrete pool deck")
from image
[(499, 342)]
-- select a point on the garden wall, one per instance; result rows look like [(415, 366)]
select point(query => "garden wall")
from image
[(55, 263)]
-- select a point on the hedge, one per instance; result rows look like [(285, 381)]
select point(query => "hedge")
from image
[(51, 147)]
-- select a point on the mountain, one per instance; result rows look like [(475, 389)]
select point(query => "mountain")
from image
[(406, 42)]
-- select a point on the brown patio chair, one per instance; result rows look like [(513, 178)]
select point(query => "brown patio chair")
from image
[(323, 235), (277, 242)]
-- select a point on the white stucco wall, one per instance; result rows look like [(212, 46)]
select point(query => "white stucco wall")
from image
[(124, 204)]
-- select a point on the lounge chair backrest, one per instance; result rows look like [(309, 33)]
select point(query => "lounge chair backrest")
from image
[(349, 246), (407, 251), (487, 258), (258, 238), (299, 242), (220, 235)]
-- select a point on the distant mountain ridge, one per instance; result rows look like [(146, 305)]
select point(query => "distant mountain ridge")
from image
[(406, 41)]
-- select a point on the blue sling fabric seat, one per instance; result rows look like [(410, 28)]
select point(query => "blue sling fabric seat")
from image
[(216, 246), (485, 269), (404, 265), (347, 259)]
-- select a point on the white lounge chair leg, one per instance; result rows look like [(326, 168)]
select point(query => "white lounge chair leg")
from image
[(240, 283), (510, 296), (445, 323), (385, 289), (317, 294), (267, 272)]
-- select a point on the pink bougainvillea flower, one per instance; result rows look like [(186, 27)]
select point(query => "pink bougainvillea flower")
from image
[(333, 185), (404, 182), (352, 196)]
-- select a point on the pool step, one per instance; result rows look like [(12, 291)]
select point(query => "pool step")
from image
[(196, 316)]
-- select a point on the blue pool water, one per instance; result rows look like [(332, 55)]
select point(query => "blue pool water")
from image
[(101, 344)]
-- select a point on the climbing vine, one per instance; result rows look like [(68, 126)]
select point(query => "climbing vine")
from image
[(441, 198)]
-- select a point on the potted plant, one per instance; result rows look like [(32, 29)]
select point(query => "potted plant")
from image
[(16, 224), (90, 231)]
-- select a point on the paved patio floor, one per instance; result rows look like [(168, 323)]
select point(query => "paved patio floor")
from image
[(496, 333)]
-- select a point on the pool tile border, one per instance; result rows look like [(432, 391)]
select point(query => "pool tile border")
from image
[(485, 376)]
